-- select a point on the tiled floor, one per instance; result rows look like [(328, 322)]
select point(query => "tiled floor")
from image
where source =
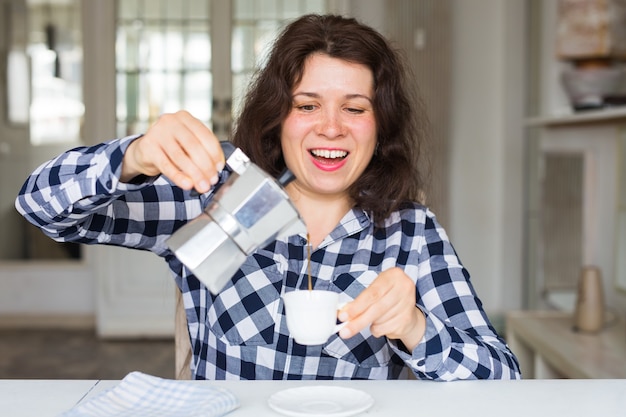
[(79, 354)]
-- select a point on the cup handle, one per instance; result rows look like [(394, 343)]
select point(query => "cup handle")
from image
[(339, 326)]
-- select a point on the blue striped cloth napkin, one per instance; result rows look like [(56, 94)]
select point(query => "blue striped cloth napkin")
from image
[(142, 395)]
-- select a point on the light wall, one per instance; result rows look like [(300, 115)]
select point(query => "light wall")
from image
[(487, 147)]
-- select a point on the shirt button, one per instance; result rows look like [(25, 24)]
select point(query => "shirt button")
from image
[(420, 362)]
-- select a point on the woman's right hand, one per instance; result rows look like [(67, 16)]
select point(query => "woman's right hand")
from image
[(180, 147)]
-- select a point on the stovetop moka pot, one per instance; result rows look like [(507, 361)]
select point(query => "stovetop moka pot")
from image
[(247, 212)]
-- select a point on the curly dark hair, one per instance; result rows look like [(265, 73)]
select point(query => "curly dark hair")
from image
[(394, 175)]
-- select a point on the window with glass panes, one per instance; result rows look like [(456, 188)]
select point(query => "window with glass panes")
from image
[(163, 61), (164, 54)]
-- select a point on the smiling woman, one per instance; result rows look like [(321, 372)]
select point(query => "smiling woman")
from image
[(333, 105)]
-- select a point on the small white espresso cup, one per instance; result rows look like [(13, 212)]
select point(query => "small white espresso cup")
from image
[(312, 315)]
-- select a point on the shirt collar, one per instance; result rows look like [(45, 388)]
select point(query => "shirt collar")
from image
[(354, 221)]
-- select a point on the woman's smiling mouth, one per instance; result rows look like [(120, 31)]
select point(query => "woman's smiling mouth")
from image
[(328, 159), (328, 153)]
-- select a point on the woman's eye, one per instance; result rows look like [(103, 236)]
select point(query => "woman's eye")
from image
[(306, 107), (354, 110)]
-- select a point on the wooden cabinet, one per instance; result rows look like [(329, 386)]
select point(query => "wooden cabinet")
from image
[(548, 347)]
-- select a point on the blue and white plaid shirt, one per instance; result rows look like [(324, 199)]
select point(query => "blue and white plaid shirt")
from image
[(242, 333)]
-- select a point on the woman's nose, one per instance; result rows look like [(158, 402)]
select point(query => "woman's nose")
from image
[(330, 124)]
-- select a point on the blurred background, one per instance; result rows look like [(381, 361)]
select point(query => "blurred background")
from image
[(528, 147)]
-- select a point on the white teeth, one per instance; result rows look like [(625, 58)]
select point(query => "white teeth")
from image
[(329, 154)]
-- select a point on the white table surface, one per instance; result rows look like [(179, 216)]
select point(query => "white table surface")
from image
[(536, 398)]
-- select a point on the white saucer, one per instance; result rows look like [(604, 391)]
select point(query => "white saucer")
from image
[(320, 401)]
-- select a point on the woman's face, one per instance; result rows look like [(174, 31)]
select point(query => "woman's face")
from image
[(329, 136)]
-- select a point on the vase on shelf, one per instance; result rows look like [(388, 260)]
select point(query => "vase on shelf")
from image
[(589, 311), (591, 43), (594, 84)]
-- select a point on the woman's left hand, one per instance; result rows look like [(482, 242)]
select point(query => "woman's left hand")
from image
[(388, 307)]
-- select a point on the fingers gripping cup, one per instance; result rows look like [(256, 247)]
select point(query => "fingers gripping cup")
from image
[(312, 315)]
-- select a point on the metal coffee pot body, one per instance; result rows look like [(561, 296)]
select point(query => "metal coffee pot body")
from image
[(247, 212)]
